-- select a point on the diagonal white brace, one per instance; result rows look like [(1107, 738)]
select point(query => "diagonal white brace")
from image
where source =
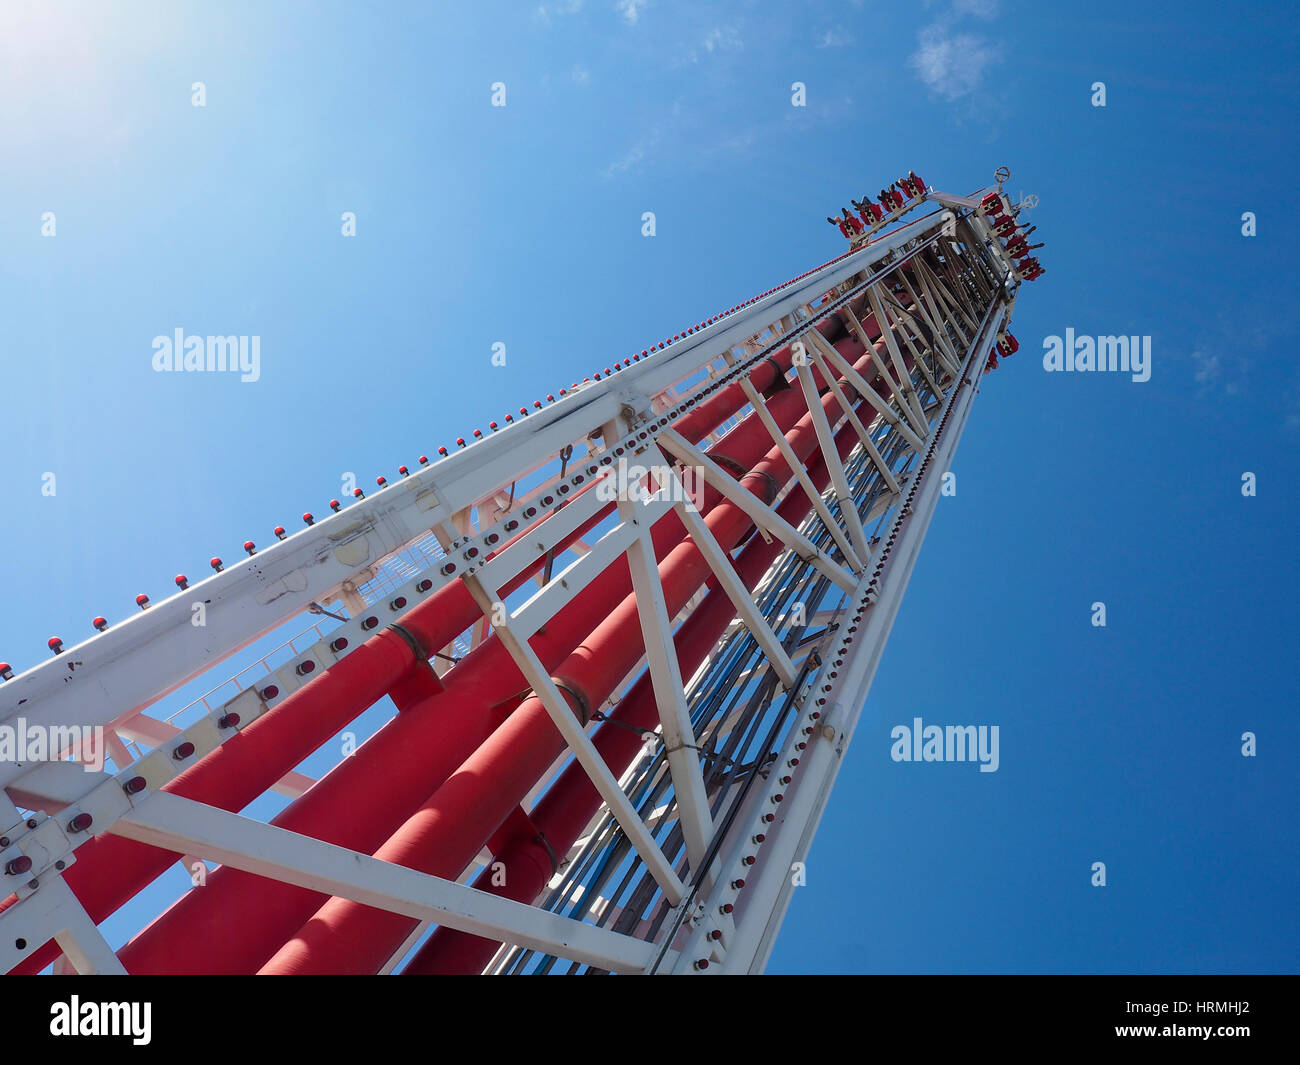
[(864, 435), (941, 344), (916, 422), (896, 357), (895, 321), (174, 823), (801, 475), (54, 912), (760, 513), (548, 600), (580, 743), (670, 693), (736, 591), (947, 299), (935, 315), (839, 482)]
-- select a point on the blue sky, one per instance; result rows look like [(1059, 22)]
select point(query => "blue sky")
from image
[(522, 225)]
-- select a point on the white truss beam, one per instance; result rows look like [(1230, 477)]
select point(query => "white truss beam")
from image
[(173, 823), (830, 455), (819, 354), (575, 735), (762, 515), (670, 693), (801, 475)]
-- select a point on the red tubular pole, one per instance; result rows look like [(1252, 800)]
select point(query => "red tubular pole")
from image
[(356, 805), (110, 870), (521, 869), (445, 834), (367, 796)]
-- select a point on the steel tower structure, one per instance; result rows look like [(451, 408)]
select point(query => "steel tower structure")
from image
[(628, 633)]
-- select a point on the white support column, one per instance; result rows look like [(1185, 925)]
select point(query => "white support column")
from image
[(736, 591), (790, 837), (580, 743), (801, 475), (840, 483), (670, 693), (917, 423), (762, 515)]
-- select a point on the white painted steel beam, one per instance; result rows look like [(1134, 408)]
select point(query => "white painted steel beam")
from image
[(801, 475), (670, 692), (791, 835), (173, 823), (137, 661), (830, 455), (820, 356), (575, 735), (730, 582), (761, 514)]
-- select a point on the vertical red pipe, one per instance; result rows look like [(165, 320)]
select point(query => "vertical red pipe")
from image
[(111, 870), (366, 797), (445, 834), (522, 868)]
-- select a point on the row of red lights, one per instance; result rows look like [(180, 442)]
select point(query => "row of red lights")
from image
[(849, 634), (738, 884), (101, 624), (132, 786), (776, 798)]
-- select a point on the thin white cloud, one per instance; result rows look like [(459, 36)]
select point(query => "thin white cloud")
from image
[(1207, 367), (631, 10), (639, 150), (717, 41), (581, 75), (722, 40), (546, 12), (835, 38), (951, 64), (978, 8), (633, 156)]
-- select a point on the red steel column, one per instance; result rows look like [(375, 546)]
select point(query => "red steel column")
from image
[(521, 869), (445, 834), (111, 870), (364, 799)]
